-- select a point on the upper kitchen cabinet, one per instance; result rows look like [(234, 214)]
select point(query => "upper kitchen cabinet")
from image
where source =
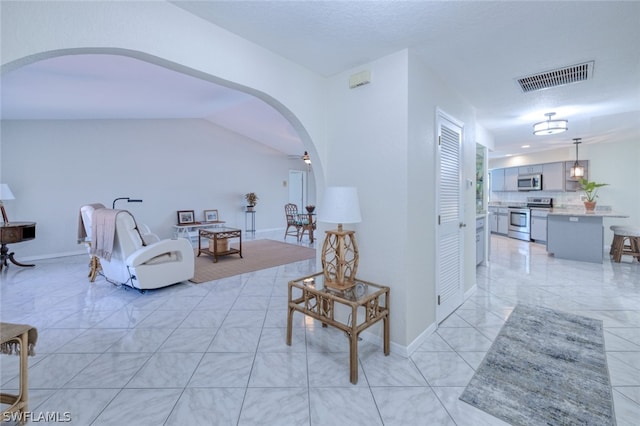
[(572, 184), (497, 180), (511, 178), (553, 176), (535, 169), (504, 179)]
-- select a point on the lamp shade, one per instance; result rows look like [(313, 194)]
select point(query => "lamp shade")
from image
[(340, 205), (5, 192)]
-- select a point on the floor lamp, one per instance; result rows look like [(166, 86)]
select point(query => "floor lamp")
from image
[(340, 250), (129, 200), (5, 194)]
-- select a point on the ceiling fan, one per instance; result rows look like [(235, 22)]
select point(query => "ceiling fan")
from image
[(305, 157)]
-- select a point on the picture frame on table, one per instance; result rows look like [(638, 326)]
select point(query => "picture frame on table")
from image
[(186, 217), (211, 216)]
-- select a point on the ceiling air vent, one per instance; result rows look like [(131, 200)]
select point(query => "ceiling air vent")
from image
[(557, 77)]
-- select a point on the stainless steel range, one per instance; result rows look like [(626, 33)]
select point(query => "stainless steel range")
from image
[(520, 217), (519, 223)]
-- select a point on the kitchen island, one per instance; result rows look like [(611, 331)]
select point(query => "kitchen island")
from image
[(577, 234)]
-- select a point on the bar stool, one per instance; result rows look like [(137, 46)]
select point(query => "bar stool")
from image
[(626, 241), (615, 238)]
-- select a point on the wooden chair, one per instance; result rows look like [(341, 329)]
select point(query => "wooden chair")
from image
[(21, 340), (293, 221), (307, 224), (626, 242)]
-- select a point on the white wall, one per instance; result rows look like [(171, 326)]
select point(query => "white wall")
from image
[(382, 140), (368, 149), (54, 167)]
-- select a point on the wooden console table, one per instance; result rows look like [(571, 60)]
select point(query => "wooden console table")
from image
[(14, 232), (315, 300), (218, 242)]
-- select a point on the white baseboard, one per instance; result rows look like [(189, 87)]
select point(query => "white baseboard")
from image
[(54, 255), (470, 292), (396, 348)]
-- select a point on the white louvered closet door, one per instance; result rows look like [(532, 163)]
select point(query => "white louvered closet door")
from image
[(449, 290)]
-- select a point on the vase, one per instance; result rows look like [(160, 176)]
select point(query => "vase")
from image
[(589, 206), (250, 208)]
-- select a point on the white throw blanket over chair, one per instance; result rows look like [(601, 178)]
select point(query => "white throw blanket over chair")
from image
[(84, 236), (145, 264)]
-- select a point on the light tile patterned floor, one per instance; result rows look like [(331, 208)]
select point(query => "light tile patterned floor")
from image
[(215, 353)]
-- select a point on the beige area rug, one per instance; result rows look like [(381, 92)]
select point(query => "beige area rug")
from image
[(256, 255)]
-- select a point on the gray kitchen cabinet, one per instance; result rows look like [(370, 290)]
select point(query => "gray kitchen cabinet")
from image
[(534, 169), (497, 180), (511, 179), (577, 237), (493, 220), (539, 225), (503, 220), (553, 176)]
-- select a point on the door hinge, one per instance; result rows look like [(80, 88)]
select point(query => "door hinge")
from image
[(439, 140), (438, 219), (438, 299)]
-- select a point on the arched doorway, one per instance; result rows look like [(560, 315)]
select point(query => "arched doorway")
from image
[(75, 172)]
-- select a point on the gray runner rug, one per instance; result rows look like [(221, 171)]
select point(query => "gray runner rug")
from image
[(546, 367)]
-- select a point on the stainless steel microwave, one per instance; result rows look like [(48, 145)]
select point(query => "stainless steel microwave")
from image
[(530, 183)]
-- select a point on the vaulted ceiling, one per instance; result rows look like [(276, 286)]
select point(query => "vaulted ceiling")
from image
[(479, 49)]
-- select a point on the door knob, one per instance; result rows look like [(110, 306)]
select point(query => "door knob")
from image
[(462, 225)]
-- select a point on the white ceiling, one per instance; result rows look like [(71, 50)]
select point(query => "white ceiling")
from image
[(478, 48)]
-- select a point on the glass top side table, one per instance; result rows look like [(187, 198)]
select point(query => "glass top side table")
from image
[(368, 303)]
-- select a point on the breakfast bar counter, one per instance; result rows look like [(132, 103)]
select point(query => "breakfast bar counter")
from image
[(577, 234)]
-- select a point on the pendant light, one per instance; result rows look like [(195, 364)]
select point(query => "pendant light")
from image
[(550, 127), (577, 171)]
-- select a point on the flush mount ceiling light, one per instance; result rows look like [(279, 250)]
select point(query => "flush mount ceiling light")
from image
[(577, 170), (550, 127)]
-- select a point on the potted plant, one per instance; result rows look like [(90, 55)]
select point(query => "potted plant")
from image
[(252, 200), (590, 189)]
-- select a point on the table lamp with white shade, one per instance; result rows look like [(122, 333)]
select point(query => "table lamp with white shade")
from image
[(340, 251), (5, 194)]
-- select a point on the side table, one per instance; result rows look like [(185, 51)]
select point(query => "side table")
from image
[(14, 232), (250, 217), (219, 242), (315, 300)]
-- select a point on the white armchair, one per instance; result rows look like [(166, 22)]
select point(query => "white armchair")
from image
[(159, 263)]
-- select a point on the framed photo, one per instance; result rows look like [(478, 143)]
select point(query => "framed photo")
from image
[(211, 215), (185, 217)]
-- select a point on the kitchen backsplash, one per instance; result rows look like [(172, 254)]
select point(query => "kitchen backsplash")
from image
[(560, 199)]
